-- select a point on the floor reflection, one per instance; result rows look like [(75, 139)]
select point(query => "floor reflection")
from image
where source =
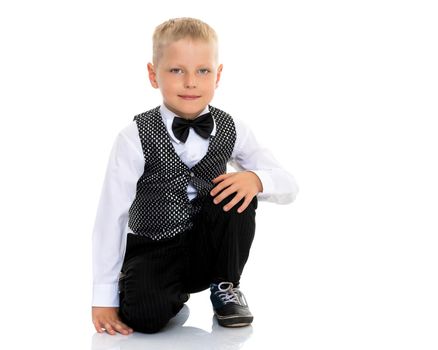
[(176, 336)]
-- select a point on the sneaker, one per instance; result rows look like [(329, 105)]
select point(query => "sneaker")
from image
[(229, 305)]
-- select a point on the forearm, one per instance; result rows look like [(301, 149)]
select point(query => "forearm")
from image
[(107, 248), (125, 166)]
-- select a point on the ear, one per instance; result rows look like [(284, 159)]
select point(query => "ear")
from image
[(152, 76), (218, 76)]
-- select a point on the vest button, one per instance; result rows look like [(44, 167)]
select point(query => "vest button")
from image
[(192, 174)]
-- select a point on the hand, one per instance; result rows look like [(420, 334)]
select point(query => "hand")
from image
[(246, 183), (107, 318)]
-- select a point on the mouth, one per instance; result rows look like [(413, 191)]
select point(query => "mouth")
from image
[(189, 97)]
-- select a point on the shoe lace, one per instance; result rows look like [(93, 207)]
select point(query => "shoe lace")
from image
[(228, 294)]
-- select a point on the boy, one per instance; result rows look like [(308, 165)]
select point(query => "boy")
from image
[(186, 224)]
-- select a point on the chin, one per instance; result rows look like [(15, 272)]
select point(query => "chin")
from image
[(192, 109)]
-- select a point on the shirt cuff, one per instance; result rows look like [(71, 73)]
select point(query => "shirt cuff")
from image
[(267, 183), (106, 295)]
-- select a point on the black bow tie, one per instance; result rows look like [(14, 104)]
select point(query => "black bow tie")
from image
[(203, 125)]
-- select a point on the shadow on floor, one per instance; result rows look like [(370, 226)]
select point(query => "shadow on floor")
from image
[(176, 336)]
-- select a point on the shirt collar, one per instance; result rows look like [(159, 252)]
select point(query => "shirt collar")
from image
[(167, 116)]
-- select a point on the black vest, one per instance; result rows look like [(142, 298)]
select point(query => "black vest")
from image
[(161, 208)]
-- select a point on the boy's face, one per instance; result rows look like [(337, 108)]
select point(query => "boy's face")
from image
[(187, 75)]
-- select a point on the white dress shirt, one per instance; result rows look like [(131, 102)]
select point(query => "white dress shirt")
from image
[(126, 165)]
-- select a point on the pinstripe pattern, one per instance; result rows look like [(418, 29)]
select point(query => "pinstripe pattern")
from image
[(158, 274)]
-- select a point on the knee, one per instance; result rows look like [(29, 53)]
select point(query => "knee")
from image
[(144, 319), (150, 326), (148, 317)]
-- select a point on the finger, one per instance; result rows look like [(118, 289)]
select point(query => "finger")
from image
[(217, 179), (237, 198), (222, 176), (122, 328), (98, 327), (119, 328), (220, 179), (109, 329), (245, 204), (220, 186), (129, 329), (225, 184), (217, 189), (224, 194)]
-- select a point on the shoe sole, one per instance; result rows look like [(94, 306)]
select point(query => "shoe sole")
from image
[(234, 321)]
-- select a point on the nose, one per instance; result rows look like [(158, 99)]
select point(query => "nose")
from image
[(190, 81)]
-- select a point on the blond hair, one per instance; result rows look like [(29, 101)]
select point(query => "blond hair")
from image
[(178, 28)]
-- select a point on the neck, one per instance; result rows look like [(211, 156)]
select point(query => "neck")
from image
[(188, 116)]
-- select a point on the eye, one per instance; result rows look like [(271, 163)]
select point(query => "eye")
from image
[(176, 70), (204, 71)]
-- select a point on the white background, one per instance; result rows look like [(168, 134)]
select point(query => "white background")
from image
[(344, 93)]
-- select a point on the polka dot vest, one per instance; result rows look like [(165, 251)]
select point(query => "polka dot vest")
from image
[(161, 208)]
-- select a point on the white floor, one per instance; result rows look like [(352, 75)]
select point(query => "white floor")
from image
[(308, 288), (193, 328)]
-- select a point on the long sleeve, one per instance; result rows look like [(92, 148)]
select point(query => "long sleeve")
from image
[(125, 166), (279, 186)]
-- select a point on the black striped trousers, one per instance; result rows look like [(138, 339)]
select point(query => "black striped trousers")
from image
[(157, 275)]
